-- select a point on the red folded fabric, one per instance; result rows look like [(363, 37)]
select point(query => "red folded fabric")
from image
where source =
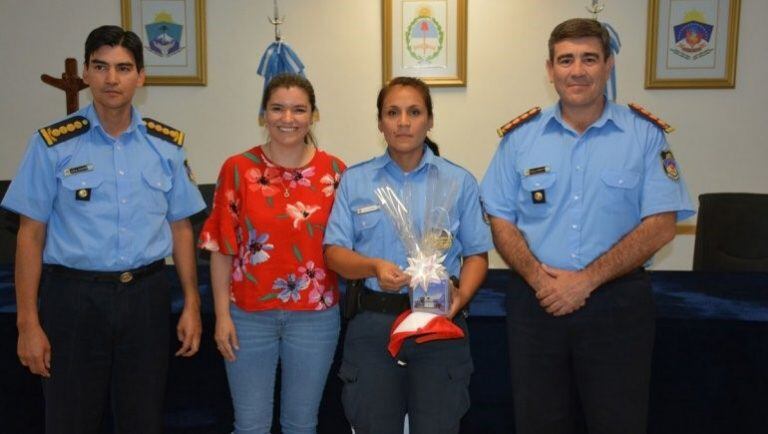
[(422, 326)]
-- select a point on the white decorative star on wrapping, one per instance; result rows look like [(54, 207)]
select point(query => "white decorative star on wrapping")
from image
[(425, 269)]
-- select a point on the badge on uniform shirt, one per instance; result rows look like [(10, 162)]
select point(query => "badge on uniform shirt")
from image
[(83, 194), (536, 170), (78, 169), (439, 239), (539, 196), (367, 209), (670, 165)]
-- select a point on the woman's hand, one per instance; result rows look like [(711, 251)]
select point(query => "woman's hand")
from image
[(391, 278), (226, 337)]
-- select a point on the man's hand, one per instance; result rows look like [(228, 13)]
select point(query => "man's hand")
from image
[(188, 331), (457, 301), (34, 350), (566, 291), (391, 278)]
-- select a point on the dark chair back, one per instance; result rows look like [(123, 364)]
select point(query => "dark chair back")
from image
[(9, 226), (732, 232)]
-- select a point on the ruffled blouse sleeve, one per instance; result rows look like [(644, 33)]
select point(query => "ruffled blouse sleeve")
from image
[(219, 233)]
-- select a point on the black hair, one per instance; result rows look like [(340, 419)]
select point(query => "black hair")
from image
[(115, 36), (422, 88)]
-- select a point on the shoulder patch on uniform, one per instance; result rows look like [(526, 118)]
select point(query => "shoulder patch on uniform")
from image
[(516, 122), (64, 130), (670, 165), (165, 132), (637, 108)]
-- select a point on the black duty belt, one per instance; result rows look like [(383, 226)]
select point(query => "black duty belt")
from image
[(383, 302), (126, 276)]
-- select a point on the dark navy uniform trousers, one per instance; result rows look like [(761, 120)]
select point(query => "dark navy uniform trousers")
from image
[(599, 356), (429, 381), (109, 340)]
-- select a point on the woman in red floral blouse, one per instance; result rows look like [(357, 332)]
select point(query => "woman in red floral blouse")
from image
[(273, 295)]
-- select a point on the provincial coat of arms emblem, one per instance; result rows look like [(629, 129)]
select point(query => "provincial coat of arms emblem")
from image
[(164, 35)]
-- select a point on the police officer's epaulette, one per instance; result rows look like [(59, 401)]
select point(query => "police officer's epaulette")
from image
[(516, 122), (165, 132), (64, 130), (637, 108)]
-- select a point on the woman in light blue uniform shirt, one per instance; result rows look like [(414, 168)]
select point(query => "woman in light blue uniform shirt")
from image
[(427, 381)]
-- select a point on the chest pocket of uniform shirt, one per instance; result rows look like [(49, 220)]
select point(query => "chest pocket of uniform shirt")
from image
[(159, 183), (537, 194), (621, 186), (365, 224), (89, 182)]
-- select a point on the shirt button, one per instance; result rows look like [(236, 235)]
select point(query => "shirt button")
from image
[(122, 229), (121, 172), (621, 181), (578, 168), (574, 226), (82, 183), (573, 255), (123, 201), (159, 184), (575, 197)]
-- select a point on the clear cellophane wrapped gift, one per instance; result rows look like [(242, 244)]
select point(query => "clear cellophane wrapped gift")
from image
[(426, 244)]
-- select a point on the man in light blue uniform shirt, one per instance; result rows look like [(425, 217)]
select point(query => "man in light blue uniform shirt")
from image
[(103, 198), (580, 196)]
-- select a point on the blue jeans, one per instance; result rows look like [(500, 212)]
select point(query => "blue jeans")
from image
[(304, 342)]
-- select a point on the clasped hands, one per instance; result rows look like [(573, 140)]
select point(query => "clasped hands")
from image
[(391, 278), (561, 292)]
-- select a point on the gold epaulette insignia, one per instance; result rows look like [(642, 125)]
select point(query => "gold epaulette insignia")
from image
[(637, 108), (64, 130), (516, 122), (165, 132)]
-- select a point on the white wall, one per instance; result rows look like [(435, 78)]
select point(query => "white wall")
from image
[(719, 141)]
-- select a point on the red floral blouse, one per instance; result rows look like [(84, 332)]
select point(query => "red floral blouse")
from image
[(272, 220)]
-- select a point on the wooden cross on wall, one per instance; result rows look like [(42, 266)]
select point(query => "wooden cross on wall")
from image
[(69, 82)]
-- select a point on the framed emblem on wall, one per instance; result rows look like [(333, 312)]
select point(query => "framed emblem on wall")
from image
[(425, 39), (173, 34), (692, 44)]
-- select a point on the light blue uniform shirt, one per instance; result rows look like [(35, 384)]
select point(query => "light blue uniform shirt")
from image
[(597, 186), (138, 185), (357, 222)]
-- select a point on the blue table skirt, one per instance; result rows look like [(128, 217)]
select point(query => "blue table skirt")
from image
[(678, 294)]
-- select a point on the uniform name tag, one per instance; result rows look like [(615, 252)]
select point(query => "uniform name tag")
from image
[(367, 209), (536, 170), (78, 169)]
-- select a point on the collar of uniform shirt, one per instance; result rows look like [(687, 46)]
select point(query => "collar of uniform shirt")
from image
[(609, 114)]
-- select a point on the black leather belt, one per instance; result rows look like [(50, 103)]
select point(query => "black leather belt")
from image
[(127, 276), (383, 302)]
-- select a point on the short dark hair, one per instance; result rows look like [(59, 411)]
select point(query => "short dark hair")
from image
[(580, 28), (114, 36), (421, 87)]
